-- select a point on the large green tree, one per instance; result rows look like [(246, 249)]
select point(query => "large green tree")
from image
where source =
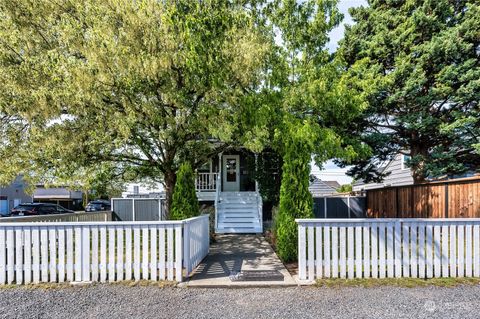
[(140, 85), (313, 102), (424, 57)]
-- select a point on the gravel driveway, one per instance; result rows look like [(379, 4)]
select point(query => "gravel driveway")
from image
[(117, 301)]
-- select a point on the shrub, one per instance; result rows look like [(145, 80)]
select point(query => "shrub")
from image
[(295, 198), (184, 200)]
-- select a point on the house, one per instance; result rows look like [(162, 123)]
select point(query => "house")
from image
[(13, 195), (319, 188), (143, 190), (70, 199), (227, 181), (399, 174)]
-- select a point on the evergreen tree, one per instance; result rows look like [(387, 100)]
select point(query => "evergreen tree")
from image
[(295, 198), (185, 201), (424, 57)]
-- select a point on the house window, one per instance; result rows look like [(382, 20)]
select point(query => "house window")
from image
[(405, 159), (136, 190)]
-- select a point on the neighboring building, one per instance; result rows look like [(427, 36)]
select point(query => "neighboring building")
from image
[(399, 175), (63, 196), (13, 195), (333, 184), (142, 190), (319, 188)]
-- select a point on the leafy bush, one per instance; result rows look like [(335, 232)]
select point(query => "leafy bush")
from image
[(185, 201), (295, 198)]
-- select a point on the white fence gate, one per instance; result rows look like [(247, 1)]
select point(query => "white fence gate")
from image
[(101, 251), (387, 248)]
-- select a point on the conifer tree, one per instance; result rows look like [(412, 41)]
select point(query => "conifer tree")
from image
[(295, 198), (185, 201)]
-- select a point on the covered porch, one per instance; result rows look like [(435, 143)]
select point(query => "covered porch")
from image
[(228, 181)]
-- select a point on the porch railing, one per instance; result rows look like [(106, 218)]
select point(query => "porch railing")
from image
[(206, 182)]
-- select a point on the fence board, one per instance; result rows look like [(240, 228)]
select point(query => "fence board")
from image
[(351, 251), (476, 250), (3, 257), (61, 254), (343, 253), (120, 253), (334, 246), (128, 253), (437, 251), (326, 251), (374, 233), (28, 255), (19, 256), (453, 251), (319, 249), (358, 252)]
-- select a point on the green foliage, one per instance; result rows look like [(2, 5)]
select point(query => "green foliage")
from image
[(418, 65), (142, 85), (345, 188), (268, 173), (185, 201), (295, 198)]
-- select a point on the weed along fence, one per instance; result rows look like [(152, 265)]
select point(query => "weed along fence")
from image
[(388, 248), (101, 251)]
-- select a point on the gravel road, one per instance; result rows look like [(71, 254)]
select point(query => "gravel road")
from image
[(117, 301)]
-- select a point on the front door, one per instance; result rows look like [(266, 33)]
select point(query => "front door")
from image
[(231, 173)]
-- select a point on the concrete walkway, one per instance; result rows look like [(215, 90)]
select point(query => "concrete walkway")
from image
[(239, 260)]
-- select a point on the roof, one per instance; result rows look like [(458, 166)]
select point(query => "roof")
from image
[(333, 184), (319, 188), (56, 193)]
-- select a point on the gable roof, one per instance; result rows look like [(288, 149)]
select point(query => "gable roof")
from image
[(333, 184), (319, 188)]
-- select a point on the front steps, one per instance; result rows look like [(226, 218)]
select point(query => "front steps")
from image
[(238, 212)]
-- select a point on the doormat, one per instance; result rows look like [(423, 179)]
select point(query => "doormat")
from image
[(256, 275)]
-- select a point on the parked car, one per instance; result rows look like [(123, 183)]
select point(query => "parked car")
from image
[(29, 209), (98, 205)]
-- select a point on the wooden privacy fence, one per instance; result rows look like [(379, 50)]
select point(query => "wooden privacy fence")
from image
[(388, 248), (101, 251), (71, 217), (458, 198)]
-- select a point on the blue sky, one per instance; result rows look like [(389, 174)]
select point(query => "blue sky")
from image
[(337, 33)]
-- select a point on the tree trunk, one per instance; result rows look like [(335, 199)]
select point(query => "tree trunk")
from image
[(418, 153), (170, 179)]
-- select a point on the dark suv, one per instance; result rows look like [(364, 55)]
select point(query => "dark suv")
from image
[(98, 205), (29, 209)]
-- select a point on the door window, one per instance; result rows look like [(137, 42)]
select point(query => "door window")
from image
[(231, 169)]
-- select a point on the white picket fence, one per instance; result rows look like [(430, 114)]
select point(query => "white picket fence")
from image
[(101, 251), (388, 248)]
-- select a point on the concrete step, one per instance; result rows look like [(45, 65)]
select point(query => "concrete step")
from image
[(237, 220), (238, 214), (252, 209), (239, 230)]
